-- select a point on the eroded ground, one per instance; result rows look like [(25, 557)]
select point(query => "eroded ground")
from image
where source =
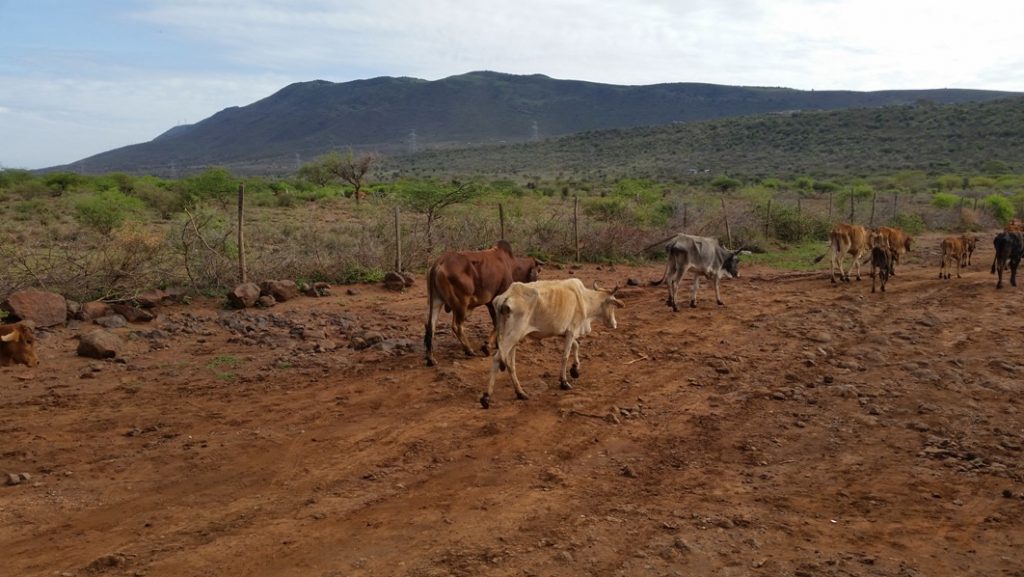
[(801, 430)]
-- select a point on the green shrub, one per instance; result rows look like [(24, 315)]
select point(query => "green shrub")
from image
[(106, 209), (354, 273), (788, 225), (909, 223), (945, 200), (1001, 207)]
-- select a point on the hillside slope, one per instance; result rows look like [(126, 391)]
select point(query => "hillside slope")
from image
[(402, 115)]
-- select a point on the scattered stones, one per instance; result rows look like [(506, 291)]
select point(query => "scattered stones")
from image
[(17, 478), (45, 309), (93, 310), (266, 301), (100, 344), (629, 472), (315, 290)]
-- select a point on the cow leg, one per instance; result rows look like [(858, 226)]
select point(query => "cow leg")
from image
[(492, 337), (1013, 272), (434, 309), (496, 366), (856, 261), (563, 382), (718, 293), (958, 268), (693, 293), (673, 287), (574, 370), (511, 361), (458, 327)]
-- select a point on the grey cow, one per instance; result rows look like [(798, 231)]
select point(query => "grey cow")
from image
[(706, 257)]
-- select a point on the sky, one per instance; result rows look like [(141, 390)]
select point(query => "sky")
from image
[(80, 77)]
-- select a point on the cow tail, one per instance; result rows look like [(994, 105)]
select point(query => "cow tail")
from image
[(664, 275)]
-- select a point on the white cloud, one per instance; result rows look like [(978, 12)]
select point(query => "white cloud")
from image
[(207, 55)]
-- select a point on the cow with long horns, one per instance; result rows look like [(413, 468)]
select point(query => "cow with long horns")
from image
[(706, 257)]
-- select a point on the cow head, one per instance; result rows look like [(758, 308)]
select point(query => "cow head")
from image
[(526, 268), (18, 345), (608, 305), (731, 264)]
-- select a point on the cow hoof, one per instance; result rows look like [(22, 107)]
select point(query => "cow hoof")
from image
[(485, 350), (485, 401), (721, 304), (574, 371), (693, 304), (522, 396), (675, 308), (565, 385), (430, 362)]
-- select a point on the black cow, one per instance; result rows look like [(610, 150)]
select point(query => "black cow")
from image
[(1009, 246)]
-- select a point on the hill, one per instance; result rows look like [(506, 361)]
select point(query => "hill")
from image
[(402, 115), (958, 138)]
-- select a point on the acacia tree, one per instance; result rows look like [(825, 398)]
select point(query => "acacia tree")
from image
[(430, 198), (336, 166)]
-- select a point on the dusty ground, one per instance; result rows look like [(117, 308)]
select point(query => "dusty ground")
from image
[(801, 430)]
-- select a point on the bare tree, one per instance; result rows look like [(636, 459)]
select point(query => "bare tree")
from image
[(430, 199)]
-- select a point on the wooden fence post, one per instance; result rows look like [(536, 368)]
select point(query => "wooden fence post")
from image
[(398, 240), (242, 273), (684, 216), (768, 219), (895, 204), (830, 206), (725, 215), (874, 199), (576, 225), (852, 208), (501, 218)]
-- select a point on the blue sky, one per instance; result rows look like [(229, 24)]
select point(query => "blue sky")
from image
[(79, 77)]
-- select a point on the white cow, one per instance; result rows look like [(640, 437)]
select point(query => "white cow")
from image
[(543, 309)]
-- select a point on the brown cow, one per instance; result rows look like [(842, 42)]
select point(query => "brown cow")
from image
[(847, 239), (462, 281), (970, 243), (882, 257), (18, 345), (899, 244), (953, 249)]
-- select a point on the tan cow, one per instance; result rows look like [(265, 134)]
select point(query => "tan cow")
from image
[(462, 281), (847, 239), (953, 249), (899, 243), (970, 244), (556, 308), (18, 345)]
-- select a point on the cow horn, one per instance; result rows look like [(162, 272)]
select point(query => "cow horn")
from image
[(539, 262), (597, 288), (615, 289)]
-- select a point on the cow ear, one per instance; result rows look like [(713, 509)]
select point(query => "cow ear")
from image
[(618, 303), (9, 337)]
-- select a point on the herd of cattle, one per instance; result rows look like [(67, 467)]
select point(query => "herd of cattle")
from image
[(521, 306)]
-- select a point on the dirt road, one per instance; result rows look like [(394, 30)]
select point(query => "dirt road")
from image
[(801, 430)]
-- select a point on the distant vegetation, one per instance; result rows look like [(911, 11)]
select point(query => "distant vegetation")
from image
[(975, 138), (114, 235)]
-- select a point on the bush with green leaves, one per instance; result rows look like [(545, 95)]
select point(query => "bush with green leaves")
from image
[(908, 222), (106, 210), (946, 200), (788, 225), (1001, 207)]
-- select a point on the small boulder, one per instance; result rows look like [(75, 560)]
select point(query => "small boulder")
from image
[(317, 289), (114, 321), (99, 344), (408, 278), (266, 301), (281, 290), (150, 299), (93, 310), (132, 314), (44, 308), (394, 281), (244, 295), (74, 308)]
